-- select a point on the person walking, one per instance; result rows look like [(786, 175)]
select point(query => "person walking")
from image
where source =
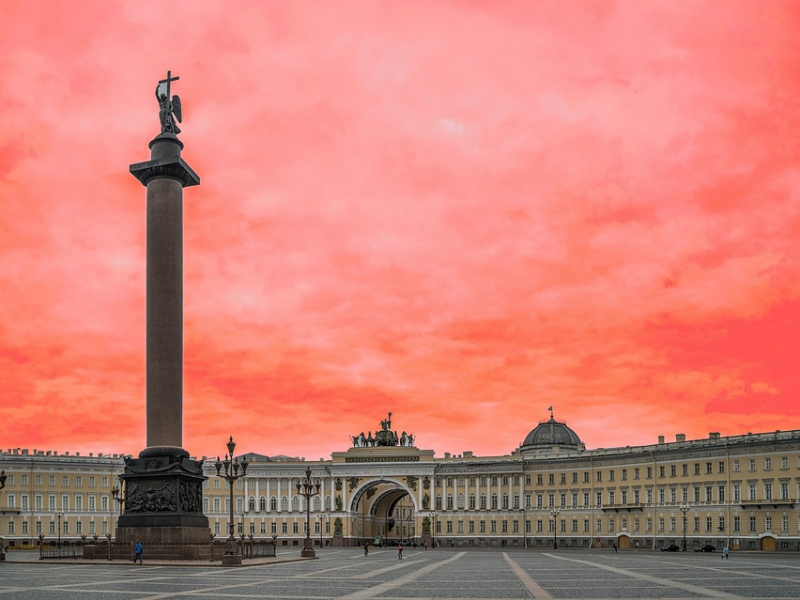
[(725, 552), (400, 551), (137, 552), (366, 548)]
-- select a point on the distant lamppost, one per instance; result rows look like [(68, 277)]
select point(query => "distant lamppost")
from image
[(308, 489), (231, 474), (554, 512), (116, 493), (321, 516), (59, 515), (433, 530), (524, 528), (684, 510)]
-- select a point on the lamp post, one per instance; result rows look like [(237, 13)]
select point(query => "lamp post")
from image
[(59, 515), (321, 516), (524, 528), (433, 530), (684, 510), (308, 489), (554, 512), (231, 474), (119, 497)]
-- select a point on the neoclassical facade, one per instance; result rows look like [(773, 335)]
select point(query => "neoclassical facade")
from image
[(739, 490)]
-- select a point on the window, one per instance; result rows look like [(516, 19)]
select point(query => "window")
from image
[(735, 466), (767, 464), (611, 475), (636, 473), (460, 502), (295, 527), (697, 468), (472, 502), (551, 478), (673, 470), (624, 474), (721, 466), (752, 466), (661, 471), (494, 501), (65, 480), (685, 470), (563, 478), (284, 527), (539, 479), (709, 469), (721, 494), (449, 501), (784, 462), (752, 523), (599, 476), (273, 503), (483, 501), (649, 472), (768, 491), (672, 524), (37, 479), (52, 480), (483, 526)]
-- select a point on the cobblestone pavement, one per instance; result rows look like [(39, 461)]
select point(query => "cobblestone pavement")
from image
[(346, 573)]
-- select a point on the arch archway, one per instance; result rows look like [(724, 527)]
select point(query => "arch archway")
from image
[(384, 512)]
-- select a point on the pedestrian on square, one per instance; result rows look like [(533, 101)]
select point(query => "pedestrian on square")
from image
[(725, 552), (137, 552), (400, 551), (366, 548)]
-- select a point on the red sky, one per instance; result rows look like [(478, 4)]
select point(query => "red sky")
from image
[(459, 212)]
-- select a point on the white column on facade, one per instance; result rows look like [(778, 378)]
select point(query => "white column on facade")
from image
[(246, 506), (258, 495)]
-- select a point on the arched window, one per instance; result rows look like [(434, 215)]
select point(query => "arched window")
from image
[(516, 500), (494, 501), (284, 503), (262, 503), (327, 502), (483, 501), (438, 502), (472, 501), (295, 503), (317, 504), (461, 502), (505, 500), (273, 503)]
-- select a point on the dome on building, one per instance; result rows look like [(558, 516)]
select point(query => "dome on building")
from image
[(552, 433)]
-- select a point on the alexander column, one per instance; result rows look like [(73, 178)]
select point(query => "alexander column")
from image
[(163, 487)]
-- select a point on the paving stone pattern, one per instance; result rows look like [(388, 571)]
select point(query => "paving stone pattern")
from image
[(347, 574)]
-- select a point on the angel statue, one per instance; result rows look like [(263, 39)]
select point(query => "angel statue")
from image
[(169, 109)]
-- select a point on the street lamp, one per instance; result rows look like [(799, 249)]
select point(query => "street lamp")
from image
[(524, 528), (59, 515), (684, 510), (321, 516), (231, 474), (433, 531), (116, 493), (554, 512), (308, 489)]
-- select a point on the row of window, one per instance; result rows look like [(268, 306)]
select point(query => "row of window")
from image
[(663, 471), (52, 502), (707, 494), (611, 526), (51, 479)]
